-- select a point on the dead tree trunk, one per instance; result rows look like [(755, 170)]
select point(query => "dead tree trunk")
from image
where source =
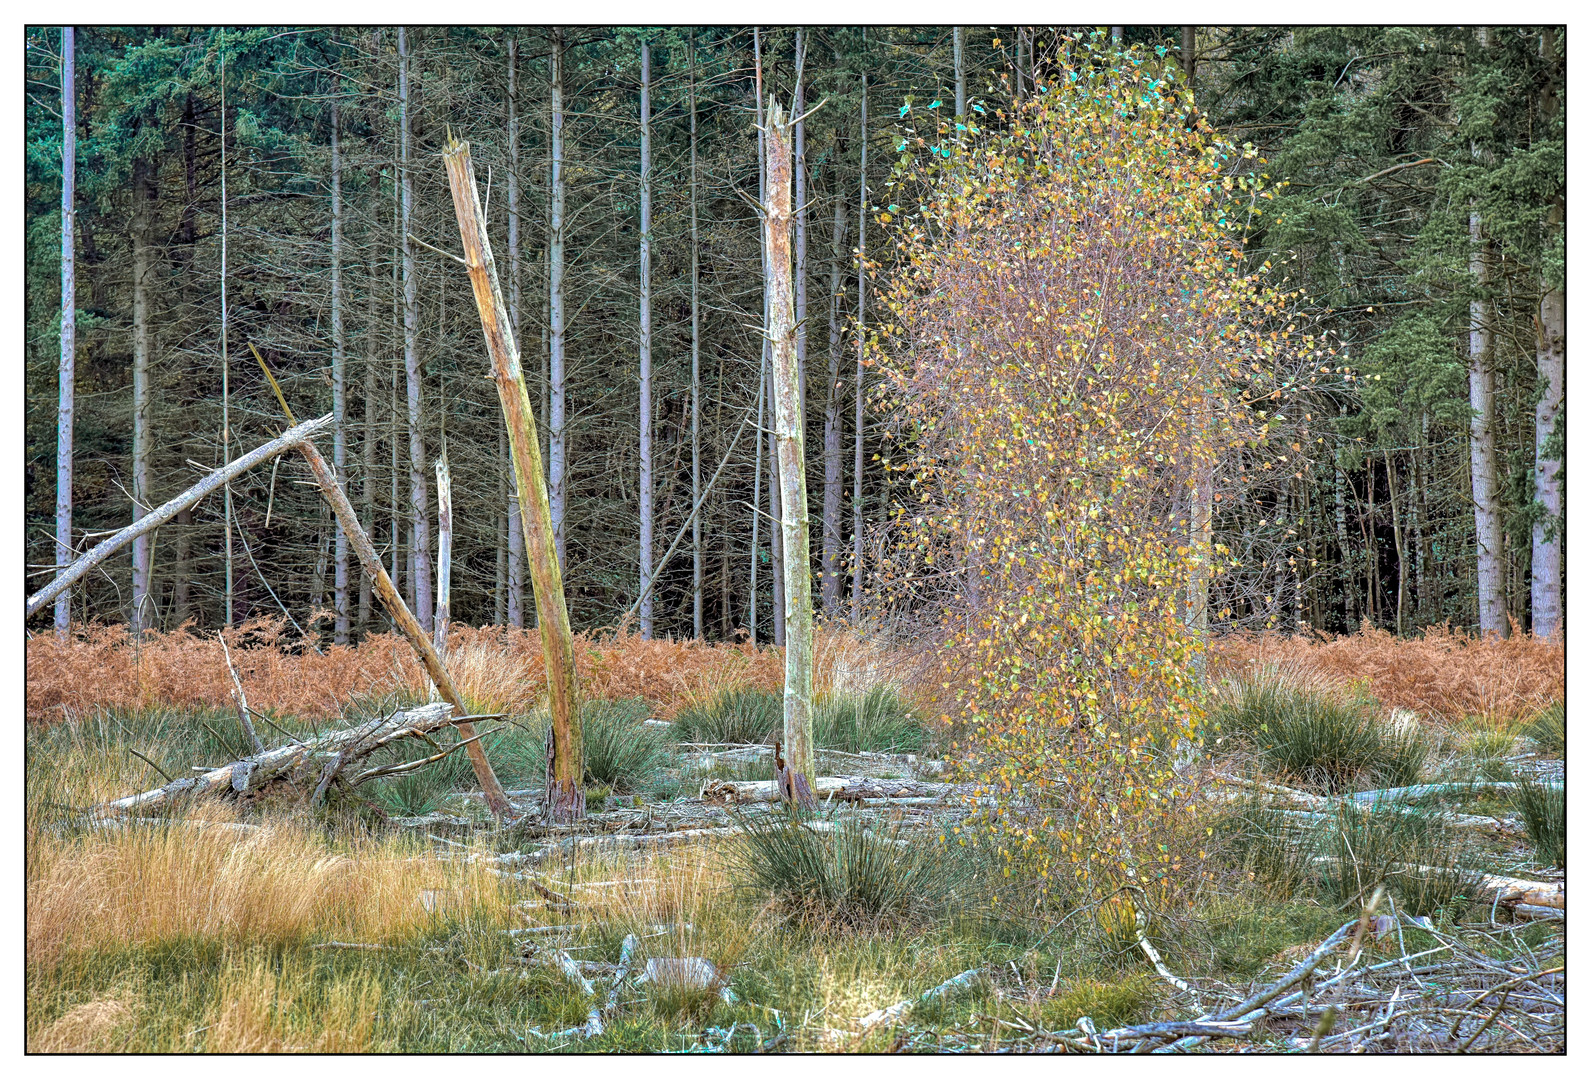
[(339, 376), (792, 460), (565, 794), (406, 623), (158, 517), (444, 552)]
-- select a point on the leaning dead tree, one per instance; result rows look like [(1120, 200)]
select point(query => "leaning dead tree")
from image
[(295, 436), (566, 799), (402, 617)]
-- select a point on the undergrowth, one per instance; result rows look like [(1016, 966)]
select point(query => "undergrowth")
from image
[(1329, 741), (1544, 810)]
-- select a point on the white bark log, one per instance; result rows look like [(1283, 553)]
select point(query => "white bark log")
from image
[(156, 518), (255, 771)]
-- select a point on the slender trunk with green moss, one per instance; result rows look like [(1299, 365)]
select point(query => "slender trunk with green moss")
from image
[(566, 799)]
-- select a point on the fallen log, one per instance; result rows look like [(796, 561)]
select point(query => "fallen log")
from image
[(251, 773), (844, 788), (1505, 890), (1420, 791), (1321, 807), (290, 438)]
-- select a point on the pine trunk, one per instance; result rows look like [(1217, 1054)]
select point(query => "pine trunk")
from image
[(68, 367), (696, 371), (861, 353), (646, 478), (1546, 540), (557, 452), (371, 444), (339, 377), (958, 43), (1483, 445), (419, 500), (142, 614), (834, 416), (515, 538)]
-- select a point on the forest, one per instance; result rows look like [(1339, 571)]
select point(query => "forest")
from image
[(1093, 496)]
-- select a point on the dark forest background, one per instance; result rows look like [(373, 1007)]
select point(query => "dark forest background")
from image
[(1421, 216)]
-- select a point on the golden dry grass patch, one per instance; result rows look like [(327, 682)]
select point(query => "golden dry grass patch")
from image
[(94, 1027), (283, 883)]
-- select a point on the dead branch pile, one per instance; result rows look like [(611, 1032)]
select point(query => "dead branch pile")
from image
[(1475, 992), (321, 761)]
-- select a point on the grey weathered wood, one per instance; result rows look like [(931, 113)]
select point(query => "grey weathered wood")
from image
[(240, 699), (253, 772), (155, 518)]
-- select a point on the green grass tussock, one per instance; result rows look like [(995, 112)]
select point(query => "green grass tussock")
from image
[(878, 720), (1549, 730), (848, 874), (1326, 741), (734, 715), (1544, 810)]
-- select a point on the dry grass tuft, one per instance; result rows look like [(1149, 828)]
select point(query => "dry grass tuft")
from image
[(282, 884), (260, 1011), (497, 669), (1444, 674), (95, 1027)]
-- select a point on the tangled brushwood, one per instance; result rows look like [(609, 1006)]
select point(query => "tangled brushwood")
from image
[(1077, 363)]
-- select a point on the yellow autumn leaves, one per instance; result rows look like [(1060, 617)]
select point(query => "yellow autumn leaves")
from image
[(1066, 370)]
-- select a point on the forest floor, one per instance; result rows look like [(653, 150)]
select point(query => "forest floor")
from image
[(405, 920)]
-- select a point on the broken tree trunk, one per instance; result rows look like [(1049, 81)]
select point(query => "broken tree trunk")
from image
[(156, 518), (240, 699), (566, 800), (444, 551), (337, 749), (788, 425)]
